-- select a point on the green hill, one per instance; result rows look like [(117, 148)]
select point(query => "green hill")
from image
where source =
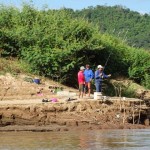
[(130, 26)]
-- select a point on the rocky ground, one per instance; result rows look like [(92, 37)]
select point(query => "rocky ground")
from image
[(22, 108)]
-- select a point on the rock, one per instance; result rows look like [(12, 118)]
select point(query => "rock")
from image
[(27, 116), (65, 129), (64, 107), (58, 108), (147, 122), (50, 109), (32, 109), (61, 123), (72, 107), (42, 117), (72, 123)]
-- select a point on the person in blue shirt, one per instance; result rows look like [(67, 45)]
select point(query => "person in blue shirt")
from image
[(89, 75), (99, 76)]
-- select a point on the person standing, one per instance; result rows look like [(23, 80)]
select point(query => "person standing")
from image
[(81, 81), (89, 75), (99, 76)]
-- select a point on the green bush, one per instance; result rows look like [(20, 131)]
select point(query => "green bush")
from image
[(139, 69), (56, 44)]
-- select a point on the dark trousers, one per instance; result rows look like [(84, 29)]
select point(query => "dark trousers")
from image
[(98, 86)]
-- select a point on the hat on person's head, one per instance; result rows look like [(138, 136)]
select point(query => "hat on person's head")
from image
[(82, 68), (99, 66)]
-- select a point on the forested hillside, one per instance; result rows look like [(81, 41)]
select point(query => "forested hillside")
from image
[(56, 44), (130, 26)]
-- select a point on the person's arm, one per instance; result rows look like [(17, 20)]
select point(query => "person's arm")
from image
[(84, 73), (83, 78), (106, 76), (78, 76), (97, 76), (92, 75)]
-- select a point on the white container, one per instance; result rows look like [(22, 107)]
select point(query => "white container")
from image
[(97, 95), (62, 93), (66, 93)]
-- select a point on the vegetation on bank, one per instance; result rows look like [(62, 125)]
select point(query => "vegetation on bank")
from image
[(56, 44), (13, 66)]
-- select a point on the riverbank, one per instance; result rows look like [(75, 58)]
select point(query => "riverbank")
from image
[(85, 114), (23, 109)]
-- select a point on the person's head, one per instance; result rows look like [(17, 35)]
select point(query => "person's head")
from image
[(100, 67), (87, 66), (82, 68)]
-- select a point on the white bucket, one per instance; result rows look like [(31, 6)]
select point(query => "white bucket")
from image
[(97, 95)]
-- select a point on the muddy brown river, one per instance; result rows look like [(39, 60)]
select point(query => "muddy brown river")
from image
[(87, 140)]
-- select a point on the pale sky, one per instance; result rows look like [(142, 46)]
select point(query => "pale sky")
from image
[(142, 6)]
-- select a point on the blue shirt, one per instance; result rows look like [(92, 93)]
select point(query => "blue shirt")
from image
[(88, 74), (99, 77)]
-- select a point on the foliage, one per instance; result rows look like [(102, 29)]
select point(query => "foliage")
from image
[(139, 69), (56, 44), (119, 21), (13, 66)]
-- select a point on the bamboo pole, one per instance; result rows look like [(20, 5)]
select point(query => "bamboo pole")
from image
[(133, 114), (6, 90), (139, 113), (124, 113), (120, 97)]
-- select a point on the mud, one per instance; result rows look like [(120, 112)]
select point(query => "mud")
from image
[(63, 116)]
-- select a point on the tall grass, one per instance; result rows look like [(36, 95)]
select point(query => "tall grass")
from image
[(13, 66)]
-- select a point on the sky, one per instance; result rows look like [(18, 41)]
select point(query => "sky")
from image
[(142, 6)]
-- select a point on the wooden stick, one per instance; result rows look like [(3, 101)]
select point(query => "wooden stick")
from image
[(139, 113), (5, 93), (124, 114), (120, 97), (133, 114)]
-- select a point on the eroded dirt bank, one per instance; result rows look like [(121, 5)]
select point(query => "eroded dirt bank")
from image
[(70, 115), (22, 109)]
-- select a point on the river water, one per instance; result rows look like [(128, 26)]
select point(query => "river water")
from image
[(84, 140)]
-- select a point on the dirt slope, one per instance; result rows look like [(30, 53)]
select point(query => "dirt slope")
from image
[(21, 87)]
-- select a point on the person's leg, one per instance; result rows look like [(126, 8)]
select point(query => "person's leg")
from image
[(79, 90), (100, 87), (85, 88), (89, 88), (82, 90), (97, 85)]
